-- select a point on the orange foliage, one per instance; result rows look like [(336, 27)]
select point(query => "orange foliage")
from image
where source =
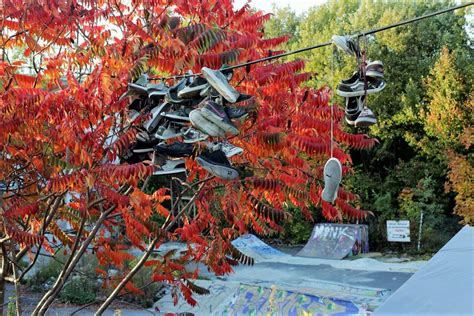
[(62, 129)]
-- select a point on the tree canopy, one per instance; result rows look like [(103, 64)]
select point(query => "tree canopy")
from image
[(424, 114), (65, 66)]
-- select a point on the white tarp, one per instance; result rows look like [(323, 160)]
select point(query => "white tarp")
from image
[(444, 286)]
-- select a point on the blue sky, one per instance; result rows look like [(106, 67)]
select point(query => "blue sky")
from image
[(298, 6)]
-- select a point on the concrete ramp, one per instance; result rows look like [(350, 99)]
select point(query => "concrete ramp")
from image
[(336, 241), (254, 247)]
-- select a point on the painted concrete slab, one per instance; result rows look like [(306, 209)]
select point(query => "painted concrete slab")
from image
[(261, 300)]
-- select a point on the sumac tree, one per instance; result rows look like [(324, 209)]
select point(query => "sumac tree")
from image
[(65, 65)]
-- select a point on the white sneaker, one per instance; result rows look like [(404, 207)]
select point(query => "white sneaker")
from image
[(200, 122), (171, 167), (365, 118), (332, 179), (228, 149), (166, 133), (347, 44), (219, 82), (192, 135)]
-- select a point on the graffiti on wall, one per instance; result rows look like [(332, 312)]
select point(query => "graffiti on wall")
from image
[(336, 241)]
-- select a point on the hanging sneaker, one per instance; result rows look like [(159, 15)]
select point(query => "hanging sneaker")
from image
[(203, 124), (137, 104), (165, 133), (374, 69), (205, 92), (143, 136), (156, 117), (181, 114), (194, 89), (192, 135), (136, 89), (176, 149), (347, 44), (215, 113), (217, 164), (354, 106), (133, 157), (145, 146), (332, 179), (157, 91), (365, 118), (171, 167), (234, 112), (219, 82), (172, 93), (357, 87), (228, 149)]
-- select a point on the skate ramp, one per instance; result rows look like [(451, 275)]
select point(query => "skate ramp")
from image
[(444, 286), (254, 247), (336, 241)]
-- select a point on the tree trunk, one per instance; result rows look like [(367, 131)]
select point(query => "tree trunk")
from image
[(49, 297)]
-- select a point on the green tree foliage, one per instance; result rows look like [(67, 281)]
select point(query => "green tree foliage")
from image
[(285, 22), (422, 112)]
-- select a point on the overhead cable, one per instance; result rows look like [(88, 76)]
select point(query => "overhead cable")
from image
[(361, 34)]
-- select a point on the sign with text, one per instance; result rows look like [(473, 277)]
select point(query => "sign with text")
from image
[(398, 231)]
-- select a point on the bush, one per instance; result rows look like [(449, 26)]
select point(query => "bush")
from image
[(45, 276), (298, 230), (79, 290)]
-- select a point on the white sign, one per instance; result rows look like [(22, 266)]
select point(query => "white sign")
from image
[(398, 231)]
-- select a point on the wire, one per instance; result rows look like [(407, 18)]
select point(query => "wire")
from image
[(332, 101), (301, 50)]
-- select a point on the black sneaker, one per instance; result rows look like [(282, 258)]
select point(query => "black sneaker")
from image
[(246, 104), (132, 158), (215, 113), (365, 118), (145, 145), (354, 106), (217, 164), (176, 149), (235, 112), (357, 87), (353, 79), (137, 104), (373, 70)]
